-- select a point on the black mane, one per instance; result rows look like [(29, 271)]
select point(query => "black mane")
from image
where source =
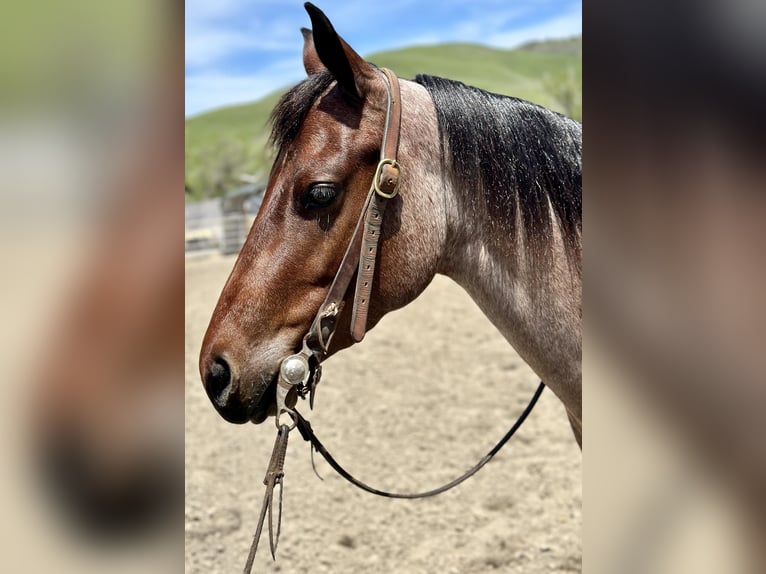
[(519, 155), (290, 111)]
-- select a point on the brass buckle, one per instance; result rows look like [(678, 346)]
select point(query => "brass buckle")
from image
[(393, 163)]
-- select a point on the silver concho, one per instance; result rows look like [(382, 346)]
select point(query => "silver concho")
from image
[(294, 369)]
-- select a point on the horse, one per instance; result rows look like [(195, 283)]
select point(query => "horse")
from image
[(488, 193)]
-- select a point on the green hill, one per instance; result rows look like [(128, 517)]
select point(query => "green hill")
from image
[(224, 143)]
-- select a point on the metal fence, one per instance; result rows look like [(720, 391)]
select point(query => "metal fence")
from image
[(222, 224), (204, 225)]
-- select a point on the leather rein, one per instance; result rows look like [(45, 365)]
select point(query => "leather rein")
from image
[(302, 371)]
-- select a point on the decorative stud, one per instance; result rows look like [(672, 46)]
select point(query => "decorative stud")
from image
[(294, 369)]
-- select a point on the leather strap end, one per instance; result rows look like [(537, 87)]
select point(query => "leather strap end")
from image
[(373, 223), (359, 330)]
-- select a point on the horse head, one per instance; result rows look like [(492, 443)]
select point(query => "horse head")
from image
[(328, 132)]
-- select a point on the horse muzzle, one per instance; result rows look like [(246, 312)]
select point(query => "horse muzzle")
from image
[(237, 397)]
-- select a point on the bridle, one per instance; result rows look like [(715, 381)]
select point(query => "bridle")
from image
[(302, 371)]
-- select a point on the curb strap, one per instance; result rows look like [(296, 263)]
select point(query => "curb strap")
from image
[(274, 477), (304, 427)]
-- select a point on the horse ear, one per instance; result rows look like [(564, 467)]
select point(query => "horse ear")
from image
[(311, 62), (351, 71)]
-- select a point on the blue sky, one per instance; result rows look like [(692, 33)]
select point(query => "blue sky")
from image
[(240, 50)]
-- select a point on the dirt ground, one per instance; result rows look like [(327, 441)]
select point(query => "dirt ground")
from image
[(427, 393)]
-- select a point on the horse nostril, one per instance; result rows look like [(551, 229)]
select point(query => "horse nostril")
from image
[(218, 379)]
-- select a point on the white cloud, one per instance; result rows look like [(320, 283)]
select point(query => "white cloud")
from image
[(215, 32), (563, 26), (210, 90), (218, 30), (207, 46)]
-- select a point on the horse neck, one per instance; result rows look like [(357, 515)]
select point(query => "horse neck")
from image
[(536, 310), (486, 255)]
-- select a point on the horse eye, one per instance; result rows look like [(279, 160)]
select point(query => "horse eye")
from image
[(319, 195)]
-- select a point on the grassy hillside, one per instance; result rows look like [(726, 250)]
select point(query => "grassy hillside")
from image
[(224, 143)]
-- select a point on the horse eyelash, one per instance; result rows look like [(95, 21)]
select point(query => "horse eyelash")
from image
[(306, 198)]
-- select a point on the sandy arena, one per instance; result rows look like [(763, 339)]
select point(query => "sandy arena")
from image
[(428, 392)]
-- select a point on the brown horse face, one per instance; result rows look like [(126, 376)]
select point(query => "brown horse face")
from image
[(314, 198), (312, 203)]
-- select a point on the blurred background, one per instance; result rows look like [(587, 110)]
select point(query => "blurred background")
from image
[(91, 213), (674, 361)]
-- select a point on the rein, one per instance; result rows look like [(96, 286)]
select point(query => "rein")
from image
[(302, 371), (304, 427)]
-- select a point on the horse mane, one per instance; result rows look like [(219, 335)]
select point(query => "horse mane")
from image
[(288, 115), (519, 155)]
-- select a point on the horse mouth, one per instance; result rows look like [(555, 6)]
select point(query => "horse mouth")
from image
[(260, 414), (267, 405)]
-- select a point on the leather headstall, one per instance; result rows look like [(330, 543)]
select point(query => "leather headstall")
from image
[(302, 371)]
